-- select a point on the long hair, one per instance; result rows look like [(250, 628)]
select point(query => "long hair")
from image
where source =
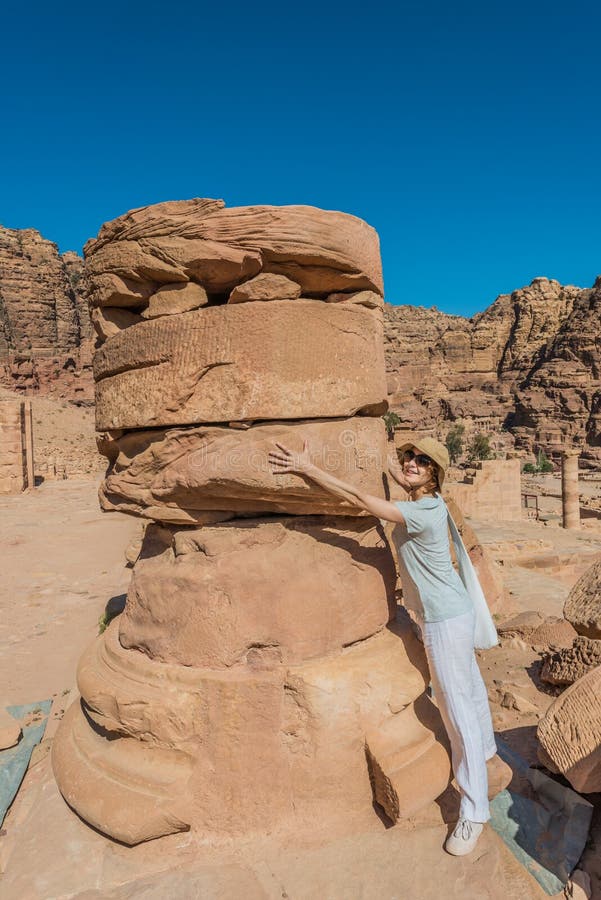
[(434, 483)]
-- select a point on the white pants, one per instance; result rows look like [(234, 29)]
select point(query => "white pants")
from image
[(462, 700)]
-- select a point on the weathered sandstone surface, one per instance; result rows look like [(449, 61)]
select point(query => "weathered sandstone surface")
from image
[(200, 240), (583, 606), (169, 474), (310, 359), (570, 734), (238, 751), (211, 597), (567, 665)]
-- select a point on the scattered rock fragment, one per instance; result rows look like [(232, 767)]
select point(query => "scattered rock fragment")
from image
[(537, 631), (515, 701), (10, 731), (569, 664)]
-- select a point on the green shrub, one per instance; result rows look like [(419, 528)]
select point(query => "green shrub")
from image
[(480, 447), (543, 463), (391, 420), (454, 441)]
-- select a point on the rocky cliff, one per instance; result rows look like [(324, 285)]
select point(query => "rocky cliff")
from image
[(45, 332), (526, 370)]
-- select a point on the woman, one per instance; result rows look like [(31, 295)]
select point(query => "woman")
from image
[(444, 610)]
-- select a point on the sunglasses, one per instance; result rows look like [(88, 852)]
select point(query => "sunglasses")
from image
[(420, 458)]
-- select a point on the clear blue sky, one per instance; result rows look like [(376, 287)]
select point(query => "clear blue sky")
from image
[(468, 134)]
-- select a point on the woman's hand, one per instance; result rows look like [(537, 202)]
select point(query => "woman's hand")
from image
[(393, 464), (284, 461), (396, 470)]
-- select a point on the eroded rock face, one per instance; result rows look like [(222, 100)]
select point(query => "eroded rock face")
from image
[(583, 606), (570, 734), (236, 751), (211, 597), (311, 360), (177, 475), (569, 664), (320, 250), (528, 363), (43, 314)]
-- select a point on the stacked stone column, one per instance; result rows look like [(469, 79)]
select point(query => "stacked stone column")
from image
[(257, 680), (16, 446)]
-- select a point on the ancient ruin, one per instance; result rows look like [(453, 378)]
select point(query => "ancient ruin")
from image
[(258, 680), (570, 731), (16, 446), (570, 496)]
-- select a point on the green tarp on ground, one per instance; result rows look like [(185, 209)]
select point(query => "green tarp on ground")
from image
[(14, 762), (547, 830)]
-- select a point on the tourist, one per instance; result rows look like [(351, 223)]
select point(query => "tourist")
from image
[(443, 607)]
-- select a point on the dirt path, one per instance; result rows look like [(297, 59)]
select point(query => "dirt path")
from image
[(63, 559)]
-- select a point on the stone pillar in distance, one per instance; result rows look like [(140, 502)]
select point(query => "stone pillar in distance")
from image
[(16, 446), (570, 497)]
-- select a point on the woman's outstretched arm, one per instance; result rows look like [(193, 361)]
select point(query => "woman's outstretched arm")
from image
[(284, 461)]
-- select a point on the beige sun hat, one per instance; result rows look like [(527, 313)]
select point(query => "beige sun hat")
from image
[(432, 448)]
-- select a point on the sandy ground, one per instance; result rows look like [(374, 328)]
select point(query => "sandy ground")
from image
[(64, 560), (64, 438)]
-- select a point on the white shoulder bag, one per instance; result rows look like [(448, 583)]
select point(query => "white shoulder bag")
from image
[(486, 634)]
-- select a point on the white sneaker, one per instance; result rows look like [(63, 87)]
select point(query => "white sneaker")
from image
[(464, 838)]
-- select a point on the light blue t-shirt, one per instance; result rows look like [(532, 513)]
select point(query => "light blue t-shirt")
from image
[(431, 586)]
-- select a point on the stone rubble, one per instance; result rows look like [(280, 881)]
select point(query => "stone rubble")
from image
[(569, 734), (583, 606)]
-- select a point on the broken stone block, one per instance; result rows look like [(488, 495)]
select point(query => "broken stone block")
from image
[(275, 360), (408, 759), (322, 250), (111, 290), (175, 298), (130, 261), (583, 606), (217, 267), (108, 321), (206, 597), (170, 472), (169, 742), (265, 287), (570, 734), (10, 730)]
